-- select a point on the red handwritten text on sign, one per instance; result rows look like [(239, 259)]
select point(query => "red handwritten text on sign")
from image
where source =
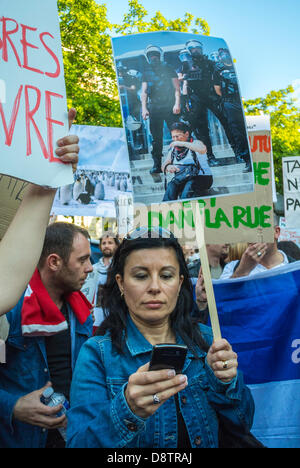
[(16, 40), (261, 143), (9, 40)]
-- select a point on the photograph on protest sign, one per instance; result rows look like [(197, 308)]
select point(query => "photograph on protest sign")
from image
[(291, 188), (33, 107), (242, 218), (101, 176), (183, 116)]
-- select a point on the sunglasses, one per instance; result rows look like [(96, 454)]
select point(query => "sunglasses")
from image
[(145, 232)]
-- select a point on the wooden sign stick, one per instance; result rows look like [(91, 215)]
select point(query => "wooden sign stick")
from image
[(212, 308), (2, 352)]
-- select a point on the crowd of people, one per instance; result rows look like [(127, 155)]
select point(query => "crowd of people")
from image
[(98, 358)]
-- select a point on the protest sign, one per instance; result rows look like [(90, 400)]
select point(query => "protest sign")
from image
[(33, 108), (242, 218), (287, 234), (261, 123), (102, 174), (124, 213), (291, 187), (11, 194), (183, 117), (260, 317)]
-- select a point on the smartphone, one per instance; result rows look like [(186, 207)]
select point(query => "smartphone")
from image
[(168, 356)]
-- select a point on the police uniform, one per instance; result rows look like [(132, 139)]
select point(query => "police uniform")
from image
[(201, 96), (161, 100), (225, 77)]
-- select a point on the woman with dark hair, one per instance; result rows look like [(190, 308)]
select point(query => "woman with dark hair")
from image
[(116, 401)]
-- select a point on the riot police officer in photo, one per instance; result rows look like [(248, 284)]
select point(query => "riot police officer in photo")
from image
[(226, 86), (196, 74), (160, 100), (129, 83)]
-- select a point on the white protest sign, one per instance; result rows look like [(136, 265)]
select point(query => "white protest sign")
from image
[(287, 234), (262, 123), (124, 213), (291, 187), (33, 108)]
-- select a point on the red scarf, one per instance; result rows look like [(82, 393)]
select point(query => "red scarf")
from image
[(41, 316)]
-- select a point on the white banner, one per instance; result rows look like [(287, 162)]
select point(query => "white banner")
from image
[(33, 108), (291, 187)]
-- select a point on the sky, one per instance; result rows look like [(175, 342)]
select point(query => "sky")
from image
[(263, 36)]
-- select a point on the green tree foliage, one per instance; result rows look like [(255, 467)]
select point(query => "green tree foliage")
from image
[(89, 68), (89, 71), (135, 22), (285, 125)]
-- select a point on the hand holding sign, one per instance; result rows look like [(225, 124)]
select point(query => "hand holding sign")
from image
[(68, 148), (21, 245), (223, 360)]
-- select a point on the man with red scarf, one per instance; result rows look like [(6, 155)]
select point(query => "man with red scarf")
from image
[(47, 329)]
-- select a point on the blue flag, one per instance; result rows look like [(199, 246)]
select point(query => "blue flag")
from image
[(260, 317)]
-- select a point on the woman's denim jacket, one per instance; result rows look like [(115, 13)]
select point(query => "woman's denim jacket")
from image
[(100, 416)]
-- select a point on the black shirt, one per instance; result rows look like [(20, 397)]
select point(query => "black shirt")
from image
[(160, 88), (199, 77), (58, 349), (183, 440), (225, 77)]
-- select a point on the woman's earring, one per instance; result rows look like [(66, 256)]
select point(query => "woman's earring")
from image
[(122, 293)]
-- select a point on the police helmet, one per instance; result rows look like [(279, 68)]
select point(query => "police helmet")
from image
[(214, 56), (224, 53), (184, 55), (134, 73), (193, 44), (153, 50)]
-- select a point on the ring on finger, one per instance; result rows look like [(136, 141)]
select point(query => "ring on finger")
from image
[(156, 400), (225, 364), (259, 254)]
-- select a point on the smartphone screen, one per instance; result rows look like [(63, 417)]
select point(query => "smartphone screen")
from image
[(168, 356)]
